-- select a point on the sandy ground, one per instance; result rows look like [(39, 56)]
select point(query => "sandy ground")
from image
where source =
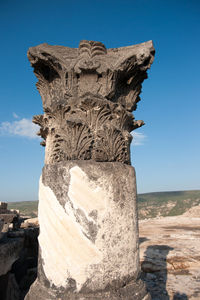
[(170, 257)]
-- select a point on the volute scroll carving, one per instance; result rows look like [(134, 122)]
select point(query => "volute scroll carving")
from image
[(88, 97)]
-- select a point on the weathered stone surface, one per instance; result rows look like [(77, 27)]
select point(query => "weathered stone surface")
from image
[(7, 218), (9, 253), (132, 290), (87, 196), (31, 222), (82, 217), (169, 253), (88, 94), (18, 262), (3, 207)]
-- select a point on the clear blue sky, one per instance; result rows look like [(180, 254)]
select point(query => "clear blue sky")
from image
[(168, 155)]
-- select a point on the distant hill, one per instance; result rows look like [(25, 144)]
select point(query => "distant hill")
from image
[(27, 208), (150, 205)]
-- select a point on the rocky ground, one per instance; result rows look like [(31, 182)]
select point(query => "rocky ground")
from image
[(169, 251), (170, 258), (18, 256)]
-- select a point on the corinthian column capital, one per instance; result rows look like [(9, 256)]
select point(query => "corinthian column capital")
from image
[(88, 95)]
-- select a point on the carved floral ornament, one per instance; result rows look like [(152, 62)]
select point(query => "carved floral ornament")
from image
[(88, 95)]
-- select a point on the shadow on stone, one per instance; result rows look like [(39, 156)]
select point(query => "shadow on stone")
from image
[(142, 240), (179, 296), (154, 272)]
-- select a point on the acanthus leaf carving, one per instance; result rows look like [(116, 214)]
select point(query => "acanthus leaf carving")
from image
[(88, 95), (111, 146), (73, 142)]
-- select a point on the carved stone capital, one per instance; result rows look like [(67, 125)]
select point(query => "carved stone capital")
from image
[(88, 95)]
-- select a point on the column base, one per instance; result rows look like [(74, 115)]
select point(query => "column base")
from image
[(131, 291)]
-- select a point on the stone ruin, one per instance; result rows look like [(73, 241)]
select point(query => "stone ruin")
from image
[(8, 218), (18, 253), (3, 207), (88, 242)]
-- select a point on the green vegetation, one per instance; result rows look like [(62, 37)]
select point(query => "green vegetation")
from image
[(150, 205), (166, 203), (27, 208)]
